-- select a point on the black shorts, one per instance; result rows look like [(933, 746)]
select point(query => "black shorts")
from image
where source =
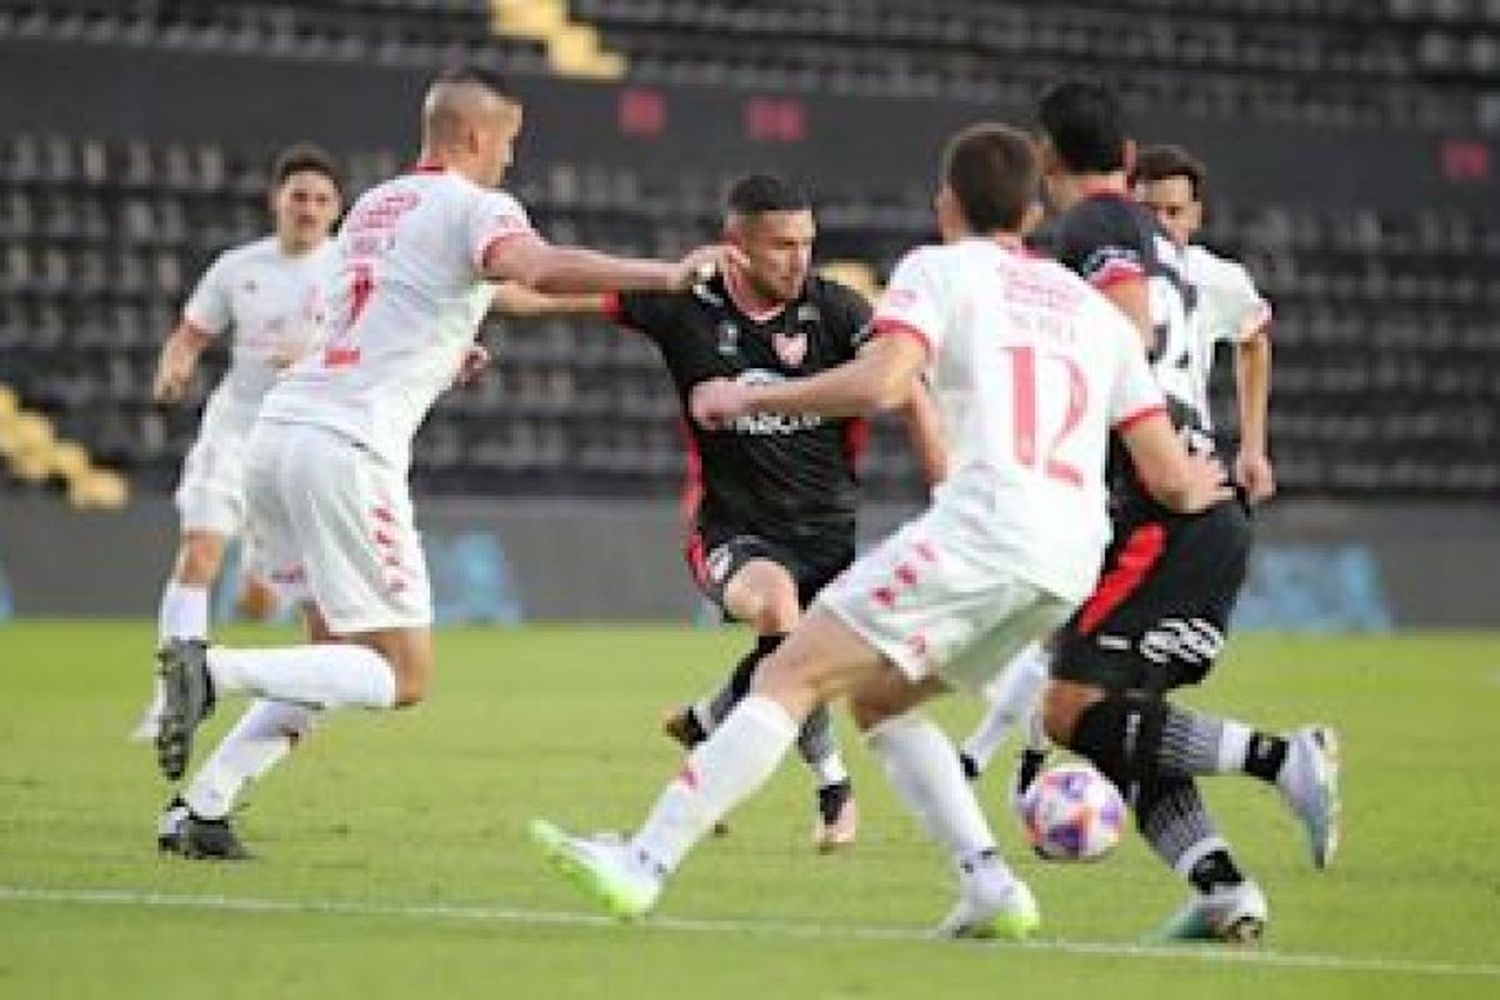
[(716, 553), (1159, 613)]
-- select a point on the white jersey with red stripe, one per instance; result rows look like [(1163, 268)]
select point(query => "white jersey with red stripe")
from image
[(404, 309), (1031, 369)]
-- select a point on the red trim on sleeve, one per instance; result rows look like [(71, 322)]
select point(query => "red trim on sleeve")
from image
[(1115, 272), (428, 167), (614, 309), (1125, 423), (886, 327)]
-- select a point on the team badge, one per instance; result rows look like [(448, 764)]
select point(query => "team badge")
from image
[(791, 348)]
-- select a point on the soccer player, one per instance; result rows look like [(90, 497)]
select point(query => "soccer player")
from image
[(771, 500), (257, 294), (1030, 369), (1169, 181), (1157, 617), (328, 504)]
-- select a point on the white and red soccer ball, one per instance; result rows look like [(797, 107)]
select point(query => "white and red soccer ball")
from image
[(1073, 813)]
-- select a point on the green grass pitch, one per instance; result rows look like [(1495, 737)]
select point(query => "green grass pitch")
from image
[(393, 859)]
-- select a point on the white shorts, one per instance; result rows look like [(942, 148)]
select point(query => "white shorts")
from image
[(936, 604), (332, 524), (211, 495)]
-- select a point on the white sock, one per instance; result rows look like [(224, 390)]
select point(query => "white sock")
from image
[(830, 770), (183, 613), (327, 675), (1011, 696), (1234, 745), (257, 743), (723, 771), (924, 770)]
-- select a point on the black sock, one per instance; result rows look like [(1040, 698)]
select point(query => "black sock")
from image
[(1265, 757), (1121, 736), (1213, 869), (738, 684)]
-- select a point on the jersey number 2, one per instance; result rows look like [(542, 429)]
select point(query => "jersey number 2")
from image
[(1024, 376), (342, 348)]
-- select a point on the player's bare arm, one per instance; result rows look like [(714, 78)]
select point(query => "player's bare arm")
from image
[(924, 428), (522, 302), (1252, 465), (178, 361), (882, 377), (1176, 478), (556, 270)]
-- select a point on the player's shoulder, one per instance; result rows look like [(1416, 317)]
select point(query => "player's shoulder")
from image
[(833, 298), (1206, 267), (259, 249), (1104, 216)]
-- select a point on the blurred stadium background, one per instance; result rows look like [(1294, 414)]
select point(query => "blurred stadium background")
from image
[(1352, 154)]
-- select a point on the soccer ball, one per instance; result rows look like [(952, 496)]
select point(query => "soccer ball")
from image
[(1072, 813)]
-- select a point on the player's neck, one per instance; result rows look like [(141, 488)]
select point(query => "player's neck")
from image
[(290, 247), (1079, 187), (758, 307)]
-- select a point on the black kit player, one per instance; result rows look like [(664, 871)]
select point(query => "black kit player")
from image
[(771, 499), (1157, 618)]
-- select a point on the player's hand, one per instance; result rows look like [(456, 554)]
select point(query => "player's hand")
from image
[(476, 362), (1207, 484), (702, 263), (171, 382), (718, 402), (1253, 471)]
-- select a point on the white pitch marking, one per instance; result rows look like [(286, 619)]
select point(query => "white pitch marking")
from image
[(769, 928)]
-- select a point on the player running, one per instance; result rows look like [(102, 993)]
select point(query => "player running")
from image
[(328, 504), (1030, 369), (258, 295), (771, 500), (1158, 614)]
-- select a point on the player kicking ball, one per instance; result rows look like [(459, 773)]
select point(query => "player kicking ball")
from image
[(1030, 369)]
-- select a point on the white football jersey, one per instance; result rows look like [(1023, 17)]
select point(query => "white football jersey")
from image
[(1226, 309), (1031, 369), (404, 308), (260, 296)]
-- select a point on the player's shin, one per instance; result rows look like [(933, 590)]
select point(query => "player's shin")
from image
[(258, 741), (734, 762), (1011, 697), (922, 767)]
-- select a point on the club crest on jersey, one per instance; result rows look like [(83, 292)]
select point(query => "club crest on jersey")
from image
[(729, 337), (791, 348)]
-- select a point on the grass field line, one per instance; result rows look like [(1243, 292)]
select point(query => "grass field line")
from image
[(767, 928)]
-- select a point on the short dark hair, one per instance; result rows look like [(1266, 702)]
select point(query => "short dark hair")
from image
[(992, 170), (304, 157), (756, 194), (1157, 163), (1086, 125)]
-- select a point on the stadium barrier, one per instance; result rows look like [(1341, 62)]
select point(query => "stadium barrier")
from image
[(1316, 567)]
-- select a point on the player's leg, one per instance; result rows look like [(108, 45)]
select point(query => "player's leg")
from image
[(821, 660), (182, 612), (1013, 697), (754, 582), (346, 524), (197, 823)]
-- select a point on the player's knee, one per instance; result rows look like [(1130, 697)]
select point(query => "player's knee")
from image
[(1062, 706), (869, 709)]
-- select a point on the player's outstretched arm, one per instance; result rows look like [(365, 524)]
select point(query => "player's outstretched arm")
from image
[(518, 300), (557, 270), (880, 378), (178, 361), (1252, 465), (1175, 478)]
